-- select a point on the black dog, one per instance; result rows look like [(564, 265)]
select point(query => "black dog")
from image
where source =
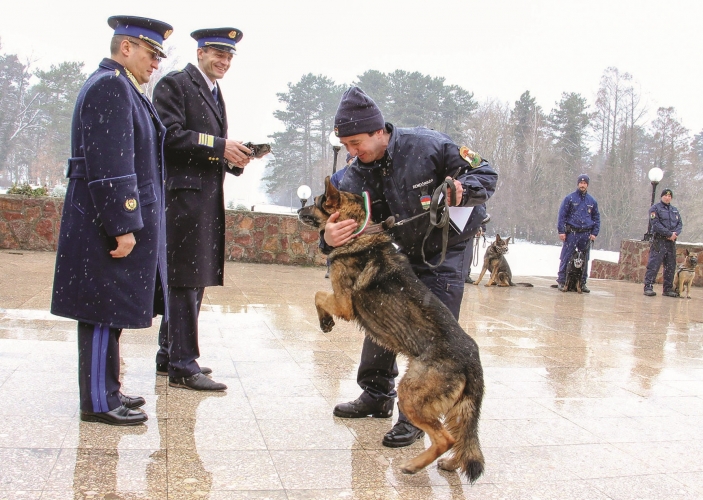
[(574, 271)]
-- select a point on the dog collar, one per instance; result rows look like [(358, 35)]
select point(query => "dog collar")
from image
[(367, 209)]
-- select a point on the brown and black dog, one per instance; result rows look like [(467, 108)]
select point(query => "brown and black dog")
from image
[(495, 262), (374, 285), (685, 274)]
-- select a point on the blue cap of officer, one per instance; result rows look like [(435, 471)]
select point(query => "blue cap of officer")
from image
[(667, 191), (148, 30), (583, 178), (223, 39)]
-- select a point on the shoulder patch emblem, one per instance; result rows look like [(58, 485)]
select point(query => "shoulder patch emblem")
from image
[(130, 204), (471, 157), (652, 215)]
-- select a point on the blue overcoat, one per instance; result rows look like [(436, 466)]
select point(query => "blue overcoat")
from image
[(116, 186)]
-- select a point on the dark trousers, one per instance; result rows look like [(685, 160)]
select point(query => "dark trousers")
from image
[(178, 337), (378, 367), (98, 367), (574, 241), (661, 250)]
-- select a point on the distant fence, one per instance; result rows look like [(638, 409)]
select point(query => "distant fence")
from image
[(33, 224)]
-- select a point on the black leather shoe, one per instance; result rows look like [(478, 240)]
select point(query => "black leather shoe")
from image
[(468, 280), (362, 409), (197, 382), (585, 289), (649, 292), (402, 434), (119, 416), (670, 293), (131, 402), (163, 370)]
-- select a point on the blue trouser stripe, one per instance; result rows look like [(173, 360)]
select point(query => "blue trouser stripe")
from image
[(98, 392)]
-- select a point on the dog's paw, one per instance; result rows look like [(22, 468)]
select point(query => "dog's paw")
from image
[(326, 324), (475, 283), (409, 468)]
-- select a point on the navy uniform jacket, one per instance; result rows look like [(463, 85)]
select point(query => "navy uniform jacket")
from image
[(195, 175), (417, 161), (579, 211), (665, 220), (115, 187)]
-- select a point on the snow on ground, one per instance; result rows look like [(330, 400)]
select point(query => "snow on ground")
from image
[(530, 259)]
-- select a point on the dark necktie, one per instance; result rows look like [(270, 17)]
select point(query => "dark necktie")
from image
[(217, 101)]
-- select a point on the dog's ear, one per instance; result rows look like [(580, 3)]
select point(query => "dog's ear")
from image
[(686, 252), (508, 240), (331, 194), (498, 238)]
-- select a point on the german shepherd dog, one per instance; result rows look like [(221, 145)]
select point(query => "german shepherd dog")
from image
[(374, 285), (494, 261), (574, 272), (685, 274)]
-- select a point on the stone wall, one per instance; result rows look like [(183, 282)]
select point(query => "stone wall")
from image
[(632, 263), (33, 224), (29, 223)]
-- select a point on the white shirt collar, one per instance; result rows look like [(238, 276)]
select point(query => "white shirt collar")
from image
[(210, 85)]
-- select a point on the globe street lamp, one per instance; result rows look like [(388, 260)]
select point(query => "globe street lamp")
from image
[(336, 146), (655, 176), (304, 193)]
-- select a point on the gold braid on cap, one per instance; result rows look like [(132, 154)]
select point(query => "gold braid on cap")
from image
[(152, 42)]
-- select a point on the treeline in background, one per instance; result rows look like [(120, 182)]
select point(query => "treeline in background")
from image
[(538, 153)]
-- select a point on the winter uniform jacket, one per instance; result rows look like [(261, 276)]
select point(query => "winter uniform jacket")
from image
[(115, 187), (665, 220), (195, 174), (580, 211), (401, 184)]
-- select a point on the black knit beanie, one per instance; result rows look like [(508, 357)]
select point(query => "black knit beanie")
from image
[(357, 114)]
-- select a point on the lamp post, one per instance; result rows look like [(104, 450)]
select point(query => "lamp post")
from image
[(304, 193), (655, 176), (336, 146)]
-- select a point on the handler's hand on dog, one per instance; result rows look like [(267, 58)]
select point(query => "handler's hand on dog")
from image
[(125, 244), (339, 233), (459, 191)]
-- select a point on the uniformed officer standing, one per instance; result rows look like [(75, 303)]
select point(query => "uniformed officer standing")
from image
[(111, 258), (198, 156), (401, 168), (578, 224), (666, 227)]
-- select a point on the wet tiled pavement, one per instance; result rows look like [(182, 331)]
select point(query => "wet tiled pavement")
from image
[(587, 397)]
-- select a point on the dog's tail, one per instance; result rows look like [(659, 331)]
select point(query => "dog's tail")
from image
[(462, 423), (521, 284)]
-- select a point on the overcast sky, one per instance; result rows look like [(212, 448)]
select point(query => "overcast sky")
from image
[(494, 48)]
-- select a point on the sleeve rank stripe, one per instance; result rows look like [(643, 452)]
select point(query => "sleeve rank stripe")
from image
[(206, 140)]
